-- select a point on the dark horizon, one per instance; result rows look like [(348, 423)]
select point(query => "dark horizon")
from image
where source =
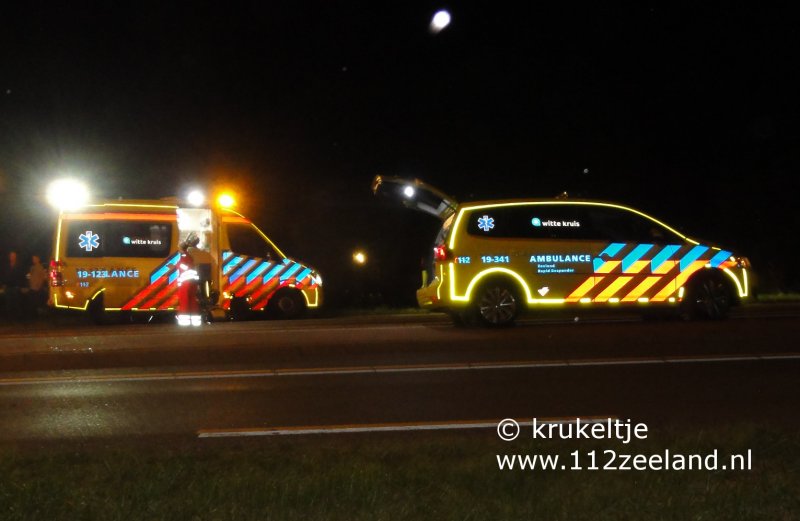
[(688, 114)]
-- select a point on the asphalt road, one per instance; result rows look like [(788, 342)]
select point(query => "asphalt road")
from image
[(410, 371)]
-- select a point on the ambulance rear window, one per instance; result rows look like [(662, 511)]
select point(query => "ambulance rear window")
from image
[(91, 239)]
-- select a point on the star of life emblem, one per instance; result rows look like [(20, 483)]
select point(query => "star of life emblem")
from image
[(485, 223), (89, 241)]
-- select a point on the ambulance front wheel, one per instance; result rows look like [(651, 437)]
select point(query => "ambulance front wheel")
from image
[(708, 297), (287, 304), (240, 309)]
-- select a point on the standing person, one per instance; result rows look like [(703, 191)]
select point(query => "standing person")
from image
[(205, 264), (188, 279), (13, 280), (37, 283)]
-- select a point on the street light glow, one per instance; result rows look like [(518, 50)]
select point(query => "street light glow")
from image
[(439, 21), (359, 257), (67, 194)]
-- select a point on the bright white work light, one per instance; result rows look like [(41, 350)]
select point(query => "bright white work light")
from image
[(67, 194), (409, 191), (196, 198)]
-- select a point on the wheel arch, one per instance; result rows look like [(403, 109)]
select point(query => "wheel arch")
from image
[(501, 274), (727, 279)]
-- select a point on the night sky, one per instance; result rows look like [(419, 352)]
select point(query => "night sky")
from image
[(688, 114)]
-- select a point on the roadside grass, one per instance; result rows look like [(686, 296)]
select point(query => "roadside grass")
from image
[(390, 477), (778, 297)]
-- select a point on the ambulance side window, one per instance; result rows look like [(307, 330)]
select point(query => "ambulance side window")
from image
[(624, 226), (109, 238), (245, 240), (529, 222)]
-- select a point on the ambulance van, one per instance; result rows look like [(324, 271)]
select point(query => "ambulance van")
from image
[(120, 256), (494, 259)]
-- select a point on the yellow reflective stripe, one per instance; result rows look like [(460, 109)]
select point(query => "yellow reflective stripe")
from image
[(637, 266), (583, 289), (665, 268), (608, 267), (612, 289), (639, 290), (678, 281)]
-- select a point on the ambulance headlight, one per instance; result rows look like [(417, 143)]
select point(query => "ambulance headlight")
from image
[(67, 194), (316, 278)]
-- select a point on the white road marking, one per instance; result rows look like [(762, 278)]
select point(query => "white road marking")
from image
[(384, 427), (7, 381)]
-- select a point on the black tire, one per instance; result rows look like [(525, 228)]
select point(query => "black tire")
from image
[(708, 297), (287, 304), (240, 309), (99, 315), (497, 304)]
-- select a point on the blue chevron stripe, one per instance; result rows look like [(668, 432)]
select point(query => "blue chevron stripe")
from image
[(719, 258), (291, 271), (256, 272), (663, 256), (694, 254), (228, 267), (305, 273), (612, 249), (637, 253), (274, 271), (241, 271), (164, 268)]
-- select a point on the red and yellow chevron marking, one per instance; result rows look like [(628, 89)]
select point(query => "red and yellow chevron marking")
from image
[(637, 266), (665, 268), (262, 295), (612, 289), (259, 290), (664, 281), (151, 295), (640, 290), (679, 280), (583, 289), (159, 294), (161, 297)]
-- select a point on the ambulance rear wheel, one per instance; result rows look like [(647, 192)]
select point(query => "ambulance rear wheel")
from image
[(497, 303), (287, 304)]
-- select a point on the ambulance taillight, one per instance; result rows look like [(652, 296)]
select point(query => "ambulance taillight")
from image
[(56, 278), (440, 253)]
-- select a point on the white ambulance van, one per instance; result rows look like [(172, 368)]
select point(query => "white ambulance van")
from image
[(120, 256)]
